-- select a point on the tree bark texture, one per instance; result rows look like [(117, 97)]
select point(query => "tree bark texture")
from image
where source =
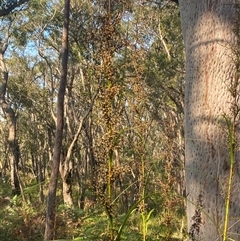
[(210, 71), (51, 202)]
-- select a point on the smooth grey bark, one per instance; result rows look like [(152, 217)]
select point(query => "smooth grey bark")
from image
[(210, 71), (51, 201)]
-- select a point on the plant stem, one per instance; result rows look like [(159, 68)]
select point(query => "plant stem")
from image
[(110, 161), (231, 173), (143, 202)]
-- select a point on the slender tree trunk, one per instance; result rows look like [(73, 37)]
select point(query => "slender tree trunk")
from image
[(91, 158), (66, 168), (211, 81), (14, 156), (51, 202), (40, 179)]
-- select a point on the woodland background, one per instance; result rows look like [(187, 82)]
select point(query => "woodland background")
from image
[(123, 149)]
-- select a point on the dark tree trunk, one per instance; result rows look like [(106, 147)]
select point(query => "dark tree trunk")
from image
[(51, 202)]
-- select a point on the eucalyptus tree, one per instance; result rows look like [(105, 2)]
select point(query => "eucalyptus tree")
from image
[(31, 102), (27, 81), (51, 204), (7, 109), (211, 38)]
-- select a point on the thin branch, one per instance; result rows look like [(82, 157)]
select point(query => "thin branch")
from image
[(160, 36)]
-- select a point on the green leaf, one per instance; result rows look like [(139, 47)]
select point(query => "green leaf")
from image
[(131, 210)]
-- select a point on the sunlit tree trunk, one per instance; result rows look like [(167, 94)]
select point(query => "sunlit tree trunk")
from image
[(210, 76), (51, 202), (66, 172)]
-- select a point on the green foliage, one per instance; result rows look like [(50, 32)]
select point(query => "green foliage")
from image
[(26, 222), (126, 218), (20, 36)]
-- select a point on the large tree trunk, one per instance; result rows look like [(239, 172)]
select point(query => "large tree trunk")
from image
[(51, 204), (209, 96)]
